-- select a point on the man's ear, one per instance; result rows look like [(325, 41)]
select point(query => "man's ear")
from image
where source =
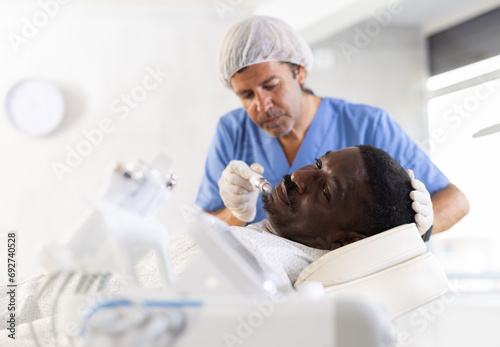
[(350, 237), (301, 74)]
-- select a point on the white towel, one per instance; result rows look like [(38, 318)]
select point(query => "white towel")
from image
[(285, 258)]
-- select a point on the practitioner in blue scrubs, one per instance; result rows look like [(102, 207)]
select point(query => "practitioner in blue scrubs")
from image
[(283, 126)]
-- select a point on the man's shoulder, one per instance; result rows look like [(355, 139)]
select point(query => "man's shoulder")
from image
[(234, 117), (237, 126), (348, 108)]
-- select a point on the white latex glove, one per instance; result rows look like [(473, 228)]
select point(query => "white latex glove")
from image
[(237, 193), (422, 204)]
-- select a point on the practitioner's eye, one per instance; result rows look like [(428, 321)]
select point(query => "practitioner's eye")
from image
[(247, 96)]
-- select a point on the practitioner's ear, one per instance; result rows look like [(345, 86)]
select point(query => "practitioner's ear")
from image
[(350, 237)]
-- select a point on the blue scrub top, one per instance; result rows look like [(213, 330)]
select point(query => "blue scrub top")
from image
[(337, 124)]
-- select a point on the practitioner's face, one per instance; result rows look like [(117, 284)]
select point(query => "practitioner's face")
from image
[(270, 93), (315, 205)]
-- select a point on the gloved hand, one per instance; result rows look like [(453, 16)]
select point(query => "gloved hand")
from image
[(422, 204), (237, 193)]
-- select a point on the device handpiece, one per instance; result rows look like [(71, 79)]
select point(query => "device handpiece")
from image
[(261, 183)]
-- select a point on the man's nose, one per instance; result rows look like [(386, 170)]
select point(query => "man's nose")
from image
[(264, 102), (303, 178)]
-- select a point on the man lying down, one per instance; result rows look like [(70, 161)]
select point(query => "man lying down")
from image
[(345, 196)]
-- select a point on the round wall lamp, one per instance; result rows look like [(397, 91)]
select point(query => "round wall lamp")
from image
[(35, 107)]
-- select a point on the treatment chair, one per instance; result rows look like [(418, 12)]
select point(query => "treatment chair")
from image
[(226, 299), (392, 267)]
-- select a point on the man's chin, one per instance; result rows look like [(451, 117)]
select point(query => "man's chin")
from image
[(270, 209), (278, 134), (268, 204), (273, 225), (279, 130)]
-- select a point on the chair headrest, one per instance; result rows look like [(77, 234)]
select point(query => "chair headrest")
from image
[(391, 267), (365, 257)]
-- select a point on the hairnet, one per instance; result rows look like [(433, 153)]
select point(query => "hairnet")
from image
[(260, 39)]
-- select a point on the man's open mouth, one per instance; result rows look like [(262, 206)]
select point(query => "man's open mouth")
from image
[(282, 194)]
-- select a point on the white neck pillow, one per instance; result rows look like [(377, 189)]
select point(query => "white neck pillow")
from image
[(391, 267)]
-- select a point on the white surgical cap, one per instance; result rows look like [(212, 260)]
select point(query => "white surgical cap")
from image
[(257, 40)]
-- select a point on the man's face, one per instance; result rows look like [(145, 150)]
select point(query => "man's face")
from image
[(271, 96), (316, 203)]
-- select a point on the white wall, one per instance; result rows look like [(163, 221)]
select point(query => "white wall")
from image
[(94, 54), (387, 70)]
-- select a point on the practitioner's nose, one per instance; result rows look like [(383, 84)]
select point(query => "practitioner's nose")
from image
[(263, 101)]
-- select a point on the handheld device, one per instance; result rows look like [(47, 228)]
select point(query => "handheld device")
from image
[(261, 183)]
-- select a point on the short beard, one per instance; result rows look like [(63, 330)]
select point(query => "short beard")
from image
[(271, 114), (268, 207), (272, 217), (291, 188), (284, 133)]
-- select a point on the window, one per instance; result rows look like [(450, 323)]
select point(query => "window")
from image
[(470, 251)]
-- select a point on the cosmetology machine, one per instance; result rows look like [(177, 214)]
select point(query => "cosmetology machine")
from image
[(223, 299)]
